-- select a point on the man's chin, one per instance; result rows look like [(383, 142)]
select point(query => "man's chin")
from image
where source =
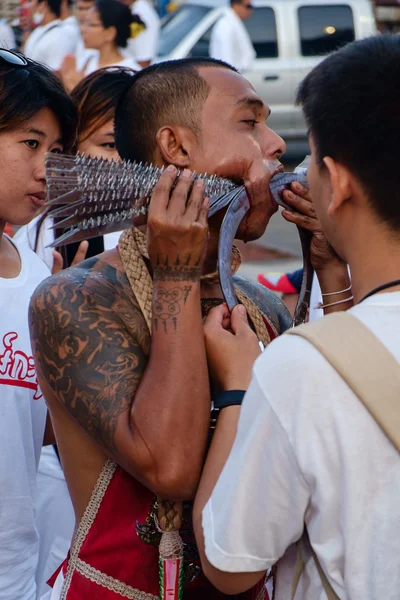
[(250, 231)]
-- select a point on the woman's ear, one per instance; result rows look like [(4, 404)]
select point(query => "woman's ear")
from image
[(175, 144), (110, 34)]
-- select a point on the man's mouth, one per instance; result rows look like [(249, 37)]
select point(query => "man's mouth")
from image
[(280, 169)]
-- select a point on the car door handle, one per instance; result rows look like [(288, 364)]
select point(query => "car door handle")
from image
[(271, 77)]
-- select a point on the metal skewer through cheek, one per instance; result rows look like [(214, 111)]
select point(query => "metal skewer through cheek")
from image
[(92, 197)]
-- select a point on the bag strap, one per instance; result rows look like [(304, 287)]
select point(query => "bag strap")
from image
[(372, 373), (364, 363)]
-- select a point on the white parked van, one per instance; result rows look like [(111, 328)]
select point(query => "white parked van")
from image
[(289, 36)]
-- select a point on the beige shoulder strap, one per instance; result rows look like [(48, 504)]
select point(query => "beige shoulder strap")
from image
[(367, 366), (370, 370)]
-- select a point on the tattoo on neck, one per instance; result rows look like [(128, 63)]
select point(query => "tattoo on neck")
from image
[(167, 306), (178, 271)]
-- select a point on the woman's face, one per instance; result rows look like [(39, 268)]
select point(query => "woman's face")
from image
[(22, 174), (94, 33), (100, 143)]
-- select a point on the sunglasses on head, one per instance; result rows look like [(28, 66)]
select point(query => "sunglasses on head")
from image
[(12, 58)]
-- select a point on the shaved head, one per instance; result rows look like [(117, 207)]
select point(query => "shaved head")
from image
[(169, 93)]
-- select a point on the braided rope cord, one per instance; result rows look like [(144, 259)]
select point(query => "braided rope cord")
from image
[(133, 252)]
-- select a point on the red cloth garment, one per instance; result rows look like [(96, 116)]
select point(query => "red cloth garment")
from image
[(115, 551)]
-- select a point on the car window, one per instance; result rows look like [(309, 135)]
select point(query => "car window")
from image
[(323, 29), (178, 25), (262, 29)]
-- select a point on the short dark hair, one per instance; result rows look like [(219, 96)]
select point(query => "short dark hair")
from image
[(167, 93), (97, 96), (26, 91), (54, 5), (116, 14), (351, 102)]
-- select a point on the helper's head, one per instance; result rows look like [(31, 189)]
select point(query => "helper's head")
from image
[(82, 8), (200, 114), (96, 98), (243, 8), (351, 102), (108, 22), (36, 116), (45, 10)]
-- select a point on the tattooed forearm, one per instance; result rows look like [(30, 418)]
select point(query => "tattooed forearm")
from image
[(88, 340), (167, 305)]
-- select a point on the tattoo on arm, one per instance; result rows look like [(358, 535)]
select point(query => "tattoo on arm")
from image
[(178, 271), (167, 305), (89, 342)]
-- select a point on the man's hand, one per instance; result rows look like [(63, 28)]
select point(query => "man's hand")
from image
[(304, 215), (232, 347), (177, 229), (332, 272)]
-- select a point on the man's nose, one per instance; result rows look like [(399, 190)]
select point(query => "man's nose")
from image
[(274, 145)]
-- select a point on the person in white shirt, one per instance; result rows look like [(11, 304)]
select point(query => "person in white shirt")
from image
[(307, 452), (7, 37), (82, 54), (143, 47), (50, 41), (70, 24), (230, 40), (36, 117), (106, 29)]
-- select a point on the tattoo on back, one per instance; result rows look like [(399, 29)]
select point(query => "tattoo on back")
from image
[(90, 343)]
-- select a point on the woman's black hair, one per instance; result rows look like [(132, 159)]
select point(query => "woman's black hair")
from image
[(116, 14), (26, 91), (96, 98)]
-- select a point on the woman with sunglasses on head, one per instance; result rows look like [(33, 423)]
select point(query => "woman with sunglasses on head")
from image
[(96, 98), (36, 116)]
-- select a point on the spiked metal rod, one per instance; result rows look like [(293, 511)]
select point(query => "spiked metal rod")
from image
[(91, 196)]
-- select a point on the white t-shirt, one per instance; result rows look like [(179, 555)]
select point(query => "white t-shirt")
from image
[(7, 38), (27, 234), (93, 64), (307, 450), (49, 44), (144, 47), (22, 423), (231, 42), (55, 517)]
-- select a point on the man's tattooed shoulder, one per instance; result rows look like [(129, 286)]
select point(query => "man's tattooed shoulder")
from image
[(90, 342)]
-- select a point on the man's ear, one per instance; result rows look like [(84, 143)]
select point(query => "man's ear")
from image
[(341, 184), (175, 144)]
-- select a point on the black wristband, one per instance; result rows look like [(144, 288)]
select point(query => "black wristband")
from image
[(229, 398)]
